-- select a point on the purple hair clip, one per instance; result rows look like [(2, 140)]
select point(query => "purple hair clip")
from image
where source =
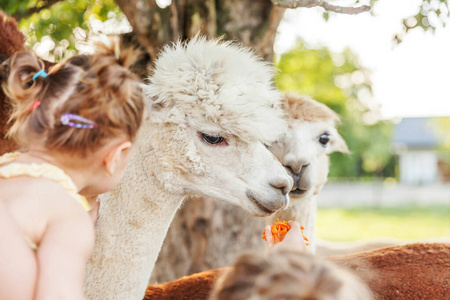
[(68, 120)]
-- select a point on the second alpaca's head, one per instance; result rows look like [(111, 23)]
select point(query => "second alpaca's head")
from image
[(304, 148)]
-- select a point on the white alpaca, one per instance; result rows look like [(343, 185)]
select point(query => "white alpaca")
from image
[(215, 234), (304, 151), (212, 107)]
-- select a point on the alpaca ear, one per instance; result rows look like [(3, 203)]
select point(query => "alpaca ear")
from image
[(337, 144), (154, 107)]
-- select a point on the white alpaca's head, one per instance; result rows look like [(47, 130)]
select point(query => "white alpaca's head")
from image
[(304, 148), (213, 110)]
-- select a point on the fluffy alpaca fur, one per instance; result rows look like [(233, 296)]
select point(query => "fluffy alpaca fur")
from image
[(201, 87), (213, 234), (11, 41)]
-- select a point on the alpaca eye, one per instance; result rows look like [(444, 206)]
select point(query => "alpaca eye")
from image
[(214, 139), (324, 139)]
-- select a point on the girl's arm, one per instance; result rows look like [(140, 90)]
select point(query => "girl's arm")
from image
[(62, 256)]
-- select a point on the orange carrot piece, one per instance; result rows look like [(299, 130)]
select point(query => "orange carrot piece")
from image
[(279, 230)]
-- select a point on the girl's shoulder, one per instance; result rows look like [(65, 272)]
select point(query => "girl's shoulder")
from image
[(69, 221), (65, 213), (40, 196), (56, 197), (42, 192), (41, 176)]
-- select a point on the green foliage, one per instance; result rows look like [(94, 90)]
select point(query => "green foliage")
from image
[(59, 20), (337, 80), (370, 146), (398, 222), (313, 72)]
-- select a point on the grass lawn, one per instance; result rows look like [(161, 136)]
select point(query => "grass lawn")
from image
[(398, 222)]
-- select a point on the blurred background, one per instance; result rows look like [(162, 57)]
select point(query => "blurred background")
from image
[(391, 92), (386, 73)]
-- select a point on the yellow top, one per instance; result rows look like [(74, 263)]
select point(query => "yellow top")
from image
[(40, 170)]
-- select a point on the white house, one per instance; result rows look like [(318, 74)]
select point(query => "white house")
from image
[(418, 143)]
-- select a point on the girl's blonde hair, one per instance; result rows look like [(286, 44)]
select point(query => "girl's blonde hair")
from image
[(288, 274), (99, 88)]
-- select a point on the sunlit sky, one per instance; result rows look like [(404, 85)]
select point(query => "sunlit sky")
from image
[(410, 79)]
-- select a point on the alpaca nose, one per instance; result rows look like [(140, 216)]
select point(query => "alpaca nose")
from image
[(283, 184), (297, 169), (298, 175)]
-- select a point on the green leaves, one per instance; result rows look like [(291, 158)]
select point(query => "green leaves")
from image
[(56, 20)]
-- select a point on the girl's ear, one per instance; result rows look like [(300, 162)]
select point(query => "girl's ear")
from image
[(113, 155)]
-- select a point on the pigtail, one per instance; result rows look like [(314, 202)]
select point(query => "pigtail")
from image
[(20, 88), (20, 69)]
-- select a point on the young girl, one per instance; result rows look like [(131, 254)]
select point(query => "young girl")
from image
[(77, 124), (288, 272)]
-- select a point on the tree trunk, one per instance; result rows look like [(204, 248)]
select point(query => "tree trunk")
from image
[(204, 235), (251, 22)]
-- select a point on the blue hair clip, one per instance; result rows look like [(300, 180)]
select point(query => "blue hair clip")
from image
[(41, 73)]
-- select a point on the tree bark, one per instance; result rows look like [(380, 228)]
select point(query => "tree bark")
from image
[(251, 22), (204, 235)]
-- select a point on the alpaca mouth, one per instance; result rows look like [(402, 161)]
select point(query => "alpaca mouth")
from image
[(298, 192), (258, 204)]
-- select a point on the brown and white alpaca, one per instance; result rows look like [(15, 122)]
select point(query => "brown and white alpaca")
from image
[(206, 235), (11, 41), (414, 271), (211, 108)]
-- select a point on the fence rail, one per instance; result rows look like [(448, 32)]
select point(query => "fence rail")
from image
[(385, 194)]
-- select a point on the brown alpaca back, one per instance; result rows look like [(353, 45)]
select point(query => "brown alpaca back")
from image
[(11, 41), (415, 271), (196, 286)]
